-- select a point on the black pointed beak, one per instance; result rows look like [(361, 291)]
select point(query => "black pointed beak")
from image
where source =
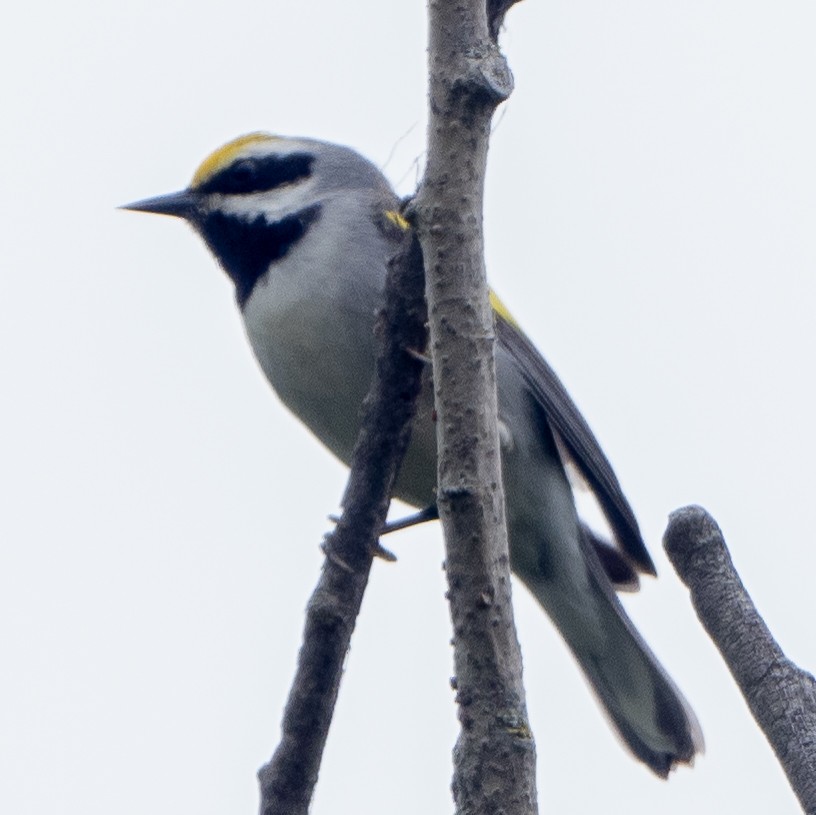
[(183, 204)]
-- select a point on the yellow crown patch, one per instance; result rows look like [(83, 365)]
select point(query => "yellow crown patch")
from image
[(223, 156)]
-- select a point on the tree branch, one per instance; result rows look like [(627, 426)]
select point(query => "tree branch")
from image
[(288, 780), (781, 696), (494, 759)]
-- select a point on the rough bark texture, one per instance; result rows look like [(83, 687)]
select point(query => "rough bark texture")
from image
[(781, 696), (288, 780), (494, 758)]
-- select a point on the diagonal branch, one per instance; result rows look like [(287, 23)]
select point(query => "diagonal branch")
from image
[(288, 780), (780, 695)]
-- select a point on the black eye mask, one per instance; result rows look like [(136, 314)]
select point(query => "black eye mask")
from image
[(257, 174)]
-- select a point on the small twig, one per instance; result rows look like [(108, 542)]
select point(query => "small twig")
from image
[(288, 780), (781, 696)]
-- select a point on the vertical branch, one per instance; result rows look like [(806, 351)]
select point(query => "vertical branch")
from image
[(494, 759)]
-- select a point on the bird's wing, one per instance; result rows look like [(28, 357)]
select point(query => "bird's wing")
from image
[(567, 422)]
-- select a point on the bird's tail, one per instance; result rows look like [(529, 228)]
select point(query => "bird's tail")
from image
[(646, 708)]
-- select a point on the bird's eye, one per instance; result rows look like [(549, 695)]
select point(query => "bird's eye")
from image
[(259, 173), (242, 176)]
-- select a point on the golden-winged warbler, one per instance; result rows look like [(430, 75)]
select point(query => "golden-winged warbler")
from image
[(305, 230)]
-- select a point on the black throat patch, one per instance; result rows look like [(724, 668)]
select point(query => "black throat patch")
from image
[(247, 248)]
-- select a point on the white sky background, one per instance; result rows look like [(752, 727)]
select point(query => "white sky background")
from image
[(651, 220)]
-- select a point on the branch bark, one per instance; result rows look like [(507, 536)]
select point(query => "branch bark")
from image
[(780, 695), (288, 780), (494, 758)]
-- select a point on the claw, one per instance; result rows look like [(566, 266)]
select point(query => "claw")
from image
[(386, 554), (418, 355)]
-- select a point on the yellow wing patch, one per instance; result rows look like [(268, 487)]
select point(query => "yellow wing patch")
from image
[(397, 219), (223, 156), (501, 309)]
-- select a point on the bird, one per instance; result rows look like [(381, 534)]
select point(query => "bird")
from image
[(305, 229)]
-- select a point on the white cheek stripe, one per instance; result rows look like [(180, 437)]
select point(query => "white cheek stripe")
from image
[(273, 205)]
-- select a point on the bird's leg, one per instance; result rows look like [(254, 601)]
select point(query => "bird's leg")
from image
[(430, 513)]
